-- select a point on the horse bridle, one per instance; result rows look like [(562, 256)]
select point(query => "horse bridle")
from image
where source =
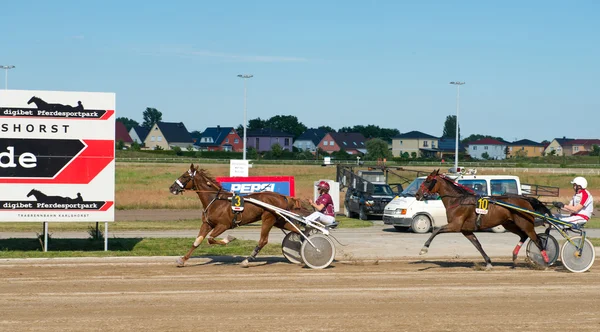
[(427, 189), (183, 185)]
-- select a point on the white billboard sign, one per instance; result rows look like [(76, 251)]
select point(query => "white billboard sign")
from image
[(57, 156)]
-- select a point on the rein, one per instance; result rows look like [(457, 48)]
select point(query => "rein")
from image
[(461, 196)]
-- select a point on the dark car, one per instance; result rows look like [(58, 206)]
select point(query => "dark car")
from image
[(364, 204)]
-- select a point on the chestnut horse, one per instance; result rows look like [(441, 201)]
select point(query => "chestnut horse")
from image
[(217, 216), (460, 203)]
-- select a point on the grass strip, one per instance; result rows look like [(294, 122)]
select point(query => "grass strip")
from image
[(141, 225), (31, 248)]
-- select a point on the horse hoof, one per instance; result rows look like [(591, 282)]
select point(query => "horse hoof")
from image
[(488, 267), (423, 251), (230, 238), (180, 262), (244, 263)]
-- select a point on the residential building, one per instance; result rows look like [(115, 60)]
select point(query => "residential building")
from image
[(167, 135), (579, 146), (262, 140), (424, 145), (138, 134), (352, 143), (495, 149), (220, 139), (309, 140), (447, 148), (525, 148), (121, 134), (557, 146)]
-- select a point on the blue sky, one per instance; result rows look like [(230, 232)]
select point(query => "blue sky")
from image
[(531, 67)]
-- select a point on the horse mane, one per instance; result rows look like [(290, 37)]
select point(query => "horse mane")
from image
[(459, 187), (207, 175)]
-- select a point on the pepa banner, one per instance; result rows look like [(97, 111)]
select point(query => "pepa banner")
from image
[(57, 156)]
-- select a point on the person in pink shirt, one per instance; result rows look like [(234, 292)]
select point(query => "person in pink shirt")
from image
[(325, 212), (581, 206)]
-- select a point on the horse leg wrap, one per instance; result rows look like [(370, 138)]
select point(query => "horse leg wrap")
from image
[(198, 241), (254, 253), (517, 248), (545, 256)]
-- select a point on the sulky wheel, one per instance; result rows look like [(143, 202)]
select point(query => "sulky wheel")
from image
[(319, 256), (552, 250), (290, 247), (571, 258)]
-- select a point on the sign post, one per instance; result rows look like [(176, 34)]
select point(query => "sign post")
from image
[(57, 157), (238, 167)]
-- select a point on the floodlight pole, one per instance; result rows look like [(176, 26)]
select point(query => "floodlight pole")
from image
[(6, 68), (458, 84), (245, 77)]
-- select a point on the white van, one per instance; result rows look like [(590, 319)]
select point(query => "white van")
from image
[(404, 211)]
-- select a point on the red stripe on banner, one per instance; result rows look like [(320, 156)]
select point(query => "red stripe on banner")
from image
[(83, 169), (107, 115), (106, 206)]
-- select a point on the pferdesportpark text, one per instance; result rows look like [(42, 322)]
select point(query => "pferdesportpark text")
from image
[(49, 206), (52, 114)]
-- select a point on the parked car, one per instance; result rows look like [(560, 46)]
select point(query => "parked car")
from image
[(363, 204)]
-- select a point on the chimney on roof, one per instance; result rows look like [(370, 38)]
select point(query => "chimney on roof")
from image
[(218, 127)]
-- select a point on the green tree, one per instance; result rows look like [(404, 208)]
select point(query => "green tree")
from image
[(327, 129), (129, 123), (151, 116), (371, 131), (287, 123), (304, 155), (120, 145), (196, 134), (177, 150), (520, 154), (276, 150), (475, 137), (450, 127), (376, 149), (341, 154), (485, 156), (413, 155), (135, 146), (595, 150), (251, 153)]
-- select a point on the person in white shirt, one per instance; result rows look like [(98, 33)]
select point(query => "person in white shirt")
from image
[(581, 206)]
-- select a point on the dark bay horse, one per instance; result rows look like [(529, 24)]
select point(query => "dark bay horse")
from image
[(461, 203), (218, 216)]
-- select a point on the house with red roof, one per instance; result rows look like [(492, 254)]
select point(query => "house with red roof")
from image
[(579, 146), (121, 134), (495, 149), (352, 143)]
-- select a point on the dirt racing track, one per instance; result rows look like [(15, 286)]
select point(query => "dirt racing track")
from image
[(216, 294)]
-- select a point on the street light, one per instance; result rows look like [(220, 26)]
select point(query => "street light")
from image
[(458, 84), (245, 77), (6, 68)]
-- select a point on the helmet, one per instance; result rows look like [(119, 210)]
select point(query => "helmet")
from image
[(323, 185), (580, 181)]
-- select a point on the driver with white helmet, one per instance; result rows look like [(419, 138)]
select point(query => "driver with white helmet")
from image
[(323, 205), (581, 205)]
